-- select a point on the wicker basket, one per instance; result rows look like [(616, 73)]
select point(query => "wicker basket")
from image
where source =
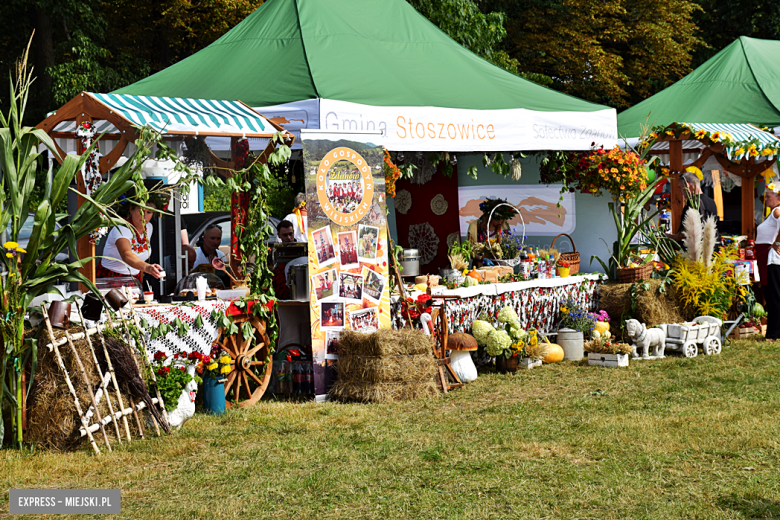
[(634, 274), (573, 258)]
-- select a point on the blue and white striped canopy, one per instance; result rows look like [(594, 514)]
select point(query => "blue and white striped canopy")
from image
[(741, 134), (189, 116)]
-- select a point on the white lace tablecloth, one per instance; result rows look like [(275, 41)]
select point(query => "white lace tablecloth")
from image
[(197, 339)]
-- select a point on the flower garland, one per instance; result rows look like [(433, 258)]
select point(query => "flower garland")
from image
[(90, 171), (392, 174), (736, 150)]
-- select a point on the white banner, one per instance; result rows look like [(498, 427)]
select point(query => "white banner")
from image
[(538, 206), (463, 130)]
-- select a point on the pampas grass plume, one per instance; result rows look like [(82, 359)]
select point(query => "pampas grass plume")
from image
[(693, 235), (708, 241)]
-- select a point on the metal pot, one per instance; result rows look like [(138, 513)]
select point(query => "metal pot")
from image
[(59, 315), (298, 282), (92, 307), (410, 262)]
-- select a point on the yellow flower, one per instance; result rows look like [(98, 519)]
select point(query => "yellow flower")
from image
[(565, 310), (9, 255), (10, 245), (20, 250), (225, 359), (212, 366), (225, 369), (739, 151)]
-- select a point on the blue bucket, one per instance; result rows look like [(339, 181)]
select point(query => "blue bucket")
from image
[(213, 396)]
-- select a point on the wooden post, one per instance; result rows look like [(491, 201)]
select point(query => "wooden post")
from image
[(86, 249), (717, 191), (748, 207), (675, 170)]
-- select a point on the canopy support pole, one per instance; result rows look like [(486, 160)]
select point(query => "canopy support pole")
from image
[(675, 170)]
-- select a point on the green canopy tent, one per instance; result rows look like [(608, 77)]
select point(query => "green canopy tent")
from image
[(379, 65), (740, 84)]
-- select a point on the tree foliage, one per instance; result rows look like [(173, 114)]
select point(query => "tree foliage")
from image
[(615, 52)]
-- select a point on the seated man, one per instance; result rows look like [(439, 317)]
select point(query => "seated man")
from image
[(286, 233)]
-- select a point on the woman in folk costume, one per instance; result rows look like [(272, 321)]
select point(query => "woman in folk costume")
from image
[(298, 218)]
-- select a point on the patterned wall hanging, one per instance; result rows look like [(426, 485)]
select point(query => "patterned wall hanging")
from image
[(90, 170)]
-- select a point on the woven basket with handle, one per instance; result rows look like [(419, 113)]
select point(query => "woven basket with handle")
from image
[(634, 274), (573, 258)]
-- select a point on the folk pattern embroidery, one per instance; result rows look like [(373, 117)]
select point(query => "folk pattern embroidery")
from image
[(90, 171)]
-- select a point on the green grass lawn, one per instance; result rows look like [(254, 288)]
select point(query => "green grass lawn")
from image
[(675, 438)]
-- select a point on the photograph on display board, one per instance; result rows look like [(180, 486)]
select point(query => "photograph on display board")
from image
[(364, 320), (351, 287), (344, 187), (325, 284), (368, 240), (323, 245), (332, 338), (348, 255), (373, 285), (331, 315)]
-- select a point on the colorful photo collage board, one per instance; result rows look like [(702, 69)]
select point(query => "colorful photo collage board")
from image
[(348, 262)]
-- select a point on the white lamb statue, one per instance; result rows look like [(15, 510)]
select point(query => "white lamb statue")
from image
[(186, 407)]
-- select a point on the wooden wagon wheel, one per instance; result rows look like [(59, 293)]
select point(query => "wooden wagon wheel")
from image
[(250, 369), (439, 336)]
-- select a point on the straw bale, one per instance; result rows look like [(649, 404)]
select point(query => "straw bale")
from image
[(384, 342), (52, 420), (652, 307), (368, 392), (387, 369)]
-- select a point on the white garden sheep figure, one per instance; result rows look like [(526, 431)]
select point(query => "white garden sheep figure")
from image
[(186, 407), (644, 338)]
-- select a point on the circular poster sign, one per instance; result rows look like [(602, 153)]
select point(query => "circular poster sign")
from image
[(345, 188)]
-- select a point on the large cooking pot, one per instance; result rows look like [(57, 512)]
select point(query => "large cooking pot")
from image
[(298, 282), (410, 262)]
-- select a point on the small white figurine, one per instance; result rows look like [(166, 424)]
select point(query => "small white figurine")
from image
[(644, 338)]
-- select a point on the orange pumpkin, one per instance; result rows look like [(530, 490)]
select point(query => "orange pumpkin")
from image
[(475, 274), (555, 355)]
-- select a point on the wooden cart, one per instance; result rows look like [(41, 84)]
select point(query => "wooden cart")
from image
[(686, 338)]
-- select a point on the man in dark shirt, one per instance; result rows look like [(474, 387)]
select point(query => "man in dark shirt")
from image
[(286, 233), (691, 187)]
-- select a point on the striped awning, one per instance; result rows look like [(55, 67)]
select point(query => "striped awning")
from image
[(739, 138), (185, 116)]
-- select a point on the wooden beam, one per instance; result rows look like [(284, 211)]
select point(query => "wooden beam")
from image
[(748, 208), (109, 160), (85, 248), (675, 170)]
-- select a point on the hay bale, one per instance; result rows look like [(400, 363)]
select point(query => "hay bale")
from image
[(385, 366), (52, 420), (652, 307), (388, 369), (384, 342), (367, 392)]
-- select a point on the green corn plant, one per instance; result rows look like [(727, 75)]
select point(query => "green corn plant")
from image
[(628, 224), (33, 271)]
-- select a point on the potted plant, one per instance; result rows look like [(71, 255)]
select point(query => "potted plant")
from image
[(459, 255), (508, 343), (214, 368), (603, 351), (177, 383), (574, 323), (562, 268)]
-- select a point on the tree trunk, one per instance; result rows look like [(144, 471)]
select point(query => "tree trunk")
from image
[(43, 45)]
